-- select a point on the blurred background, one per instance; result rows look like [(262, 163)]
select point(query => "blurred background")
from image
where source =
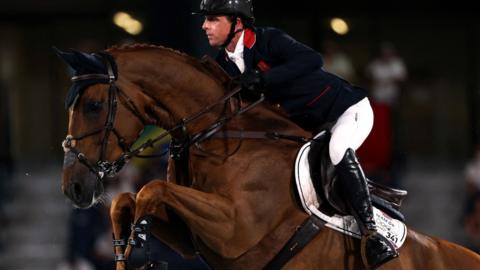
[(420, 64)]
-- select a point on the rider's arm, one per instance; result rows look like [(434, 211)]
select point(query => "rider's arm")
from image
[(296, 59)]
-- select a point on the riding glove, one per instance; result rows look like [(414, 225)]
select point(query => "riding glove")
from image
[(252, 81)]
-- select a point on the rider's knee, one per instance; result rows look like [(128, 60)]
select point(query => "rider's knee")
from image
[(337, 152), (120, 203)]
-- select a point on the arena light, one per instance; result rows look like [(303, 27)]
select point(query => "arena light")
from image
[(127, 23), (121, 18), (339, 26), (134, 27)]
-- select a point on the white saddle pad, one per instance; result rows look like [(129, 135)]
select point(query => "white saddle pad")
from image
[(394, 230)]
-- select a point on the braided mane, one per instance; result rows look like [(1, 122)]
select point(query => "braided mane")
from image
[(205, 65), (130, 47)]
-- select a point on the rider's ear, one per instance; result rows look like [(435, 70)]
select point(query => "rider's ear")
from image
[(239, 24)]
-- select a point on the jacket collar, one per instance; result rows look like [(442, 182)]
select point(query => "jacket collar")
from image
[(250, 38)]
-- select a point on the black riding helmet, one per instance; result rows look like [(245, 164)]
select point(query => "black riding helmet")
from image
[(241, 8), (235, 8)]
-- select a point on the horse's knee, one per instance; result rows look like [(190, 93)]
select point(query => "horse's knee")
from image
[(122, 204), (152, 192)]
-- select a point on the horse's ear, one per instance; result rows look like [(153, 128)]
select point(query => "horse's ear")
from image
[(82, 62), (68, 57)]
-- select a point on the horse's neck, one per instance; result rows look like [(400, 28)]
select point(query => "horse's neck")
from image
[(180, 85), (269, 118)]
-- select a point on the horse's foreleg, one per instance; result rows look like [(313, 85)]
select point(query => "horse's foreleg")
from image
[(121, 214), (208, 215)]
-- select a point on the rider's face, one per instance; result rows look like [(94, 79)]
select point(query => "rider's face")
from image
[(217, 29)]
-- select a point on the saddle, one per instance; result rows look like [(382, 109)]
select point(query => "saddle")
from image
[(325, 181)]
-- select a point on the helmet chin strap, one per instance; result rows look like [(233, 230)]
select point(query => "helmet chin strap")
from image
[(232, 33)]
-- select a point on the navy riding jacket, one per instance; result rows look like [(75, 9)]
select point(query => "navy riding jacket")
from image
[(294, 77)]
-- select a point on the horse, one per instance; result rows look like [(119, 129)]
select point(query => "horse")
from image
[(232, 199)]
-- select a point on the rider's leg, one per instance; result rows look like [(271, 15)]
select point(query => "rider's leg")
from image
[(349, 132), (376, 249)]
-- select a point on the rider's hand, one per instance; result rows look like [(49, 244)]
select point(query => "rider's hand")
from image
[(252, 81)]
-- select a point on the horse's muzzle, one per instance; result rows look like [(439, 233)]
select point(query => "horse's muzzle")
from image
[(84, 192)]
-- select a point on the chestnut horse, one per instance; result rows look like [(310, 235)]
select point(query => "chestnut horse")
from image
[(238, 203)]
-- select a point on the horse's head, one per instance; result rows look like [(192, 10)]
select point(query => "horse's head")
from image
[(113, 96), (97, 143)]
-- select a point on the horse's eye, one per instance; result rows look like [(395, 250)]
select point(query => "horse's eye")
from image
[(93, 107)]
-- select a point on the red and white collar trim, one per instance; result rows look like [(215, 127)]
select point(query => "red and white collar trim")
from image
[(250, 38)]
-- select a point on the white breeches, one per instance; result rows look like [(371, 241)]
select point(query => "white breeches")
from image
[(350, 130)]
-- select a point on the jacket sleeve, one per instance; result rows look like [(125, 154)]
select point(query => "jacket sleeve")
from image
[(294, 57)]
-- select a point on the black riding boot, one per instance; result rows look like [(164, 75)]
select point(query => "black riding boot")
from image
[(376, 249)]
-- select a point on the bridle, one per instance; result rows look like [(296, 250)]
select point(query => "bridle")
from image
[(103, 167)]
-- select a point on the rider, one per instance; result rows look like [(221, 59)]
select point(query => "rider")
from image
[(290, 73)]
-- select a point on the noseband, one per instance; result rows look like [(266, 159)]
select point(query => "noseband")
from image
[(103, 167)]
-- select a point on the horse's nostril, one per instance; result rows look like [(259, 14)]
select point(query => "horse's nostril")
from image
[(77, 191)]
